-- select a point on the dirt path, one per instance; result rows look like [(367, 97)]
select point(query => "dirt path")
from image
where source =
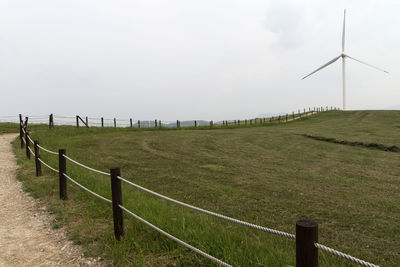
[(26, 237)]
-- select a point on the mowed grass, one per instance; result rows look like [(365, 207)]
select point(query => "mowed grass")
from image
[(272, 176)]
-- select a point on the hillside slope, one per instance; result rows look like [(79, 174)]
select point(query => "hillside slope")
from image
[(271, 176)]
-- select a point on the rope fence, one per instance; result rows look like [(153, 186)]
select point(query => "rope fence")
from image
[(79, 121), (306, 243), (344, 255), (250, 225), (198, 251), (86, 167), (48, 151), (48, 166), (86, 189)]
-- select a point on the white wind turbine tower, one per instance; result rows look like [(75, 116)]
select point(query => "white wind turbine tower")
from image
[(343, 56)]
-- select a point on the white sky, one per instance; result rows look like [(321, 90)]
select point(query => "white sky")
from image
[(184, 59)]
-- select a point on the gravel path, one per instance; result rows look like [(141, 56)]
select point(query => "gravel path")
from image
[(26, 237)]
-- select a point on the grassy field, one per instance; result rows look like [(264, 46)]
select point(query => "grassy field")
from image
[(270, 176)]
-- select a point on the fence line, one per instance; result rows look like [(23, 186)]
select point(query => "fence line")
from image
[(265, 229), (254, 226), (48, 166), (48, 151), (114, 122), (86, 167), (344, 255), (198, 251), (86, 189)]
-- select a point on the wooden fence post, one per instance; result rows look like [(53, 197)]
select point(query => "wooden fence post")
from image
[(115, 123), (138, 124), (62, 167), (27, 144), (293, 114), (37, 157), (130, 120), (87, 121), (102, 122), (155, 123), (239, 122), (279, 119), (306, 236), (116, 195), (195, 123), (159, 123), (211, 123), (50, 121), (177, 124), (77, 121), (21, 134)]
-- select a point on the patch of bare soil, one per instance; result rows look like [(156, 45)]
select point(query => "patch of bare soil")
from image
[(26, 237)]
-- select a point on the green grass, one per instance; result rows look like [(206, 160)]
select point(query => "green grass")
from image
[(270, 176), (9, 127)]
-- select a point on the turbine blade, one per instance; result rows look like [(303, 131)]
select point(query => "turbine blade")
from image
[(372, 66), (344, 30), (323, 66)]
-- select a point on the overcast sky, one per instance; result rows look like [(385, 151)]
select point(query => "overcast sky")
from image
[(183, 59)]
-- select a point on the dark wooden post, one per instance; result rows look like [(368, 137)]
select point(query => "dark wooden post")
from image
[(159, 123), (50, 121), (239, 122), (293, 114), (87, 121), (245, 122), (155, 123), (77, 121), (37, 157), (62, 167), (27, 144), (102, 122), (130, 120), (279, 119), (21, 134), (211, 123), (177, 123), (116, 195), (306, 236), (138, 124), (195, 123), (115, 123)]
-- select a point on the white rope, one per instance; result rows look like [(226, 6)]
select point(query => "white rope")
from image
[(23, 139), (86, 167), (48, 166), (345, 256), (48, 151), (86, 189), (33, 153), (198, 251), (30, 139), (258, 227)]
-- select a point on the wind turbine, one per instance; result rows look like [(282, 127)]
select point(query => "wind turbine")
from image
[(343, 56)]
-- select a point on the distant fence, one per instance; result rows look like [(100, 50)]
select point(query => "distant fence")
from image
[(306, 230), (84, 121)]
